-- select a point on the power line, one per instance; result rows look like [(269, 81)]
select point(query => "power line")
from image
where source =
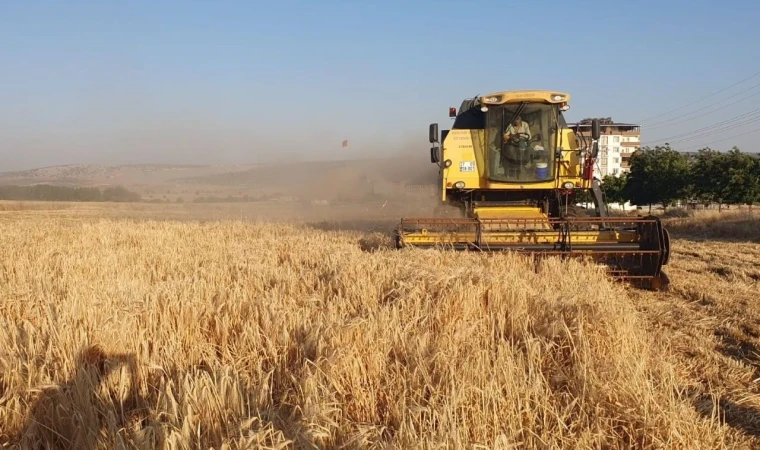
[(670, 122), (699, 100), (710, 133), (722, 140), (717, 131), (709, 127)]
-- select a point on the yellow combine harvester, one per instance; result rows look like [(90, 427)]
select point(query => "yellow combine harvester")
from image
[(511, 170)]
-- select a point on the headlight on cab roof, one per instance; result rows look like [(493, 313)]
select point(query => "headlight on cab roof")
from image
[(558, 97)]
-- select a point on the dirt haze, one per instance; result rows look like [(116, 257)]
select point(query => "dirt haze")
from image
[(385, 175)]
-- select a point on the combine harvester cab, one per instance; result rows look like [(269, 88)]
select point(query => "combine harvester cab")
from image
[(512, 172)]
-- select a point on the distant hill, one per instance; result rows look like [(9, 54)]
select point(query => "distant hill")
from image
[(120, 174), (317, 179)]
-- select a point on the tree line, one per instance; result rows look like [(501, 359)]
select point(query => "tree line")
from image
[(664, 175), (53, 193)]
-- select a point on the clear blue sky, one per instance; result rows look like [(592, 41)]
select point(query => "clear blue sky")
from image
[(244, 81)]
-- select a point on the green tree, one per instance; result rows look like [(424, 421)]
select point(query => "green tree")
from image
[(755, 187), (707, 178), (741, 182), (613, 188), (47, 192), (120, 194), (657, 175), (730, 177)]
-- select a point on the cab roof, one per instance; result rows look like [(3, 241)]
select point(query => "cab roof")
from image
[(502, 97)]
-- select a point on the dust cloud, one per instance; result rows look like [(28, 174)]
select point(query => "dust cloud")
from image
[(371, 183), (368, 193)]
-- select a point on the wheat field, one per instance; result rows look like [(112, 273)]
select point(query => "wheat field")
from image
[(123, 332)]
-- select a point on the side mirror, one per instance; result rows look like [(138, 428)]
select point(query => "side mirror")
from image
[(452, 112), (433, 133), (595, 131), (434, 158)]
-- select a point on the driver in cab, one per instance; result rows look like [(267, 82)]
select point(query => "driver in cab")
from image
[(517, 127), (516, 137)]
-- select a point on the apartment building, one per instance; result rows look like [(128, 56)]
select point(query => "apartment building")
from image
[(617, 143)]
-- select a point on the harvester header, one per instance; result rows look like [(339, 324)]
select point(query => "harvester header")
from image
[(510, 175)]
